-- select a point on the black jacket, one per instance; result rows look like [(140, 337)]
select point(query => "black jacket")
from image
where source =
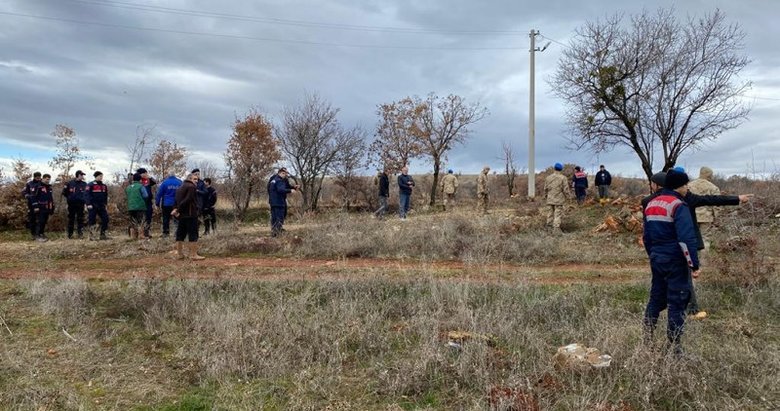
[(603, 178), (186, 200), (75, 191), (384, 185), (695, 200)]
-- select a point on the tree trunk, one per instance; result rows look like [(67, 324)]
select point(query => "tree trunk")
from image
[(436, 167)]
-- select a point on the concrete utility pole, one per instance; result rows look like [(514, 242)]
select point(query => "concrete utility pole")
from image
[(532, 115)]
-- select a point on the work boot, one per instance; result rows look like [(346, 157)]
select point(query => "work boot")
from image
[(133, 233), (698, 316), (91, 232), (193, 251), (103, 236), (80, 235), (180, 250), (41, 239)]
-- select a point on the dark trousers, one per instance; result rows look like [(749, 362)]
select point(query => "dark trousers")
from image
[(382, 210), (94, 212), (580, 192), (75, 217), (693, 305), (670, 289), (32, 221), (278, 213), (187, 228), (166, 219), (209, 219), (40, 222), (148, 219)]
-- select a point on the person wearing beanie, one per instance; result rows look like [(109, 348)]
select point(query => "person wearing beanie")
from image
[(96, 199), (670, 242), (483, 191), (148, 183), (29, 192), (580, 184), (449, 187), (694, 201), (136, 206), (75, 192), (556, 191)]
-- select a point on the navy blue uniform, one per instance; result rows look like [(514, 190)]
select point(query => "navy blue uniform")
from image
[(670, 242), (75, 192), (43, 206), (580, 182), (278, 188), (29, 193), (97, 199), (209, 211)]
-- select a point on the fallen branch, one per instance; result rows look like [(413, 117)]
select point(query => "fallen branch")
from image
[(5, 325), (68, 335)]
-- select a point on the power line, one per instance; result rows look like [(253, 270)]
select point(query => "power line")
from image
[(236, 36), (298, 23), (553, 40)]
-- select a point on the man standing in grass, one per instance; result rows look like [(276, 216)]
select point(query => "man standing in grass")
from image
[(556, 190), (43, 206), (483, 192), (209, 211), (166, 198), (580, 183), (603, 181), (671, 243), (29, 194), (136, 207), (186, 210), (74, 192), (97, 202), (405, 187), (382, 181), (449, 186), (278, 188)]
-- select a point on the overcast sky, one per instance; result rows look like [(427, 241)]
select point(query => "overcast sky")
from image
[(105, 67)]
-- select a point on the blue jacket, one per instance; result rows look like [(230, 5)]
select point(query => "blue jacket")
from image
[(166, 192), (278, 188), (75, 191), (97, 194), (29, 191), (404, 181), (580, 179), (669, 231), (43, 198)]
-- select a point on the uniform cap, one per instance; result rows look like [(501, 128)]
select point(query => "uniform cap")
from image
[(558, 166), (675, 179), (449, 171)]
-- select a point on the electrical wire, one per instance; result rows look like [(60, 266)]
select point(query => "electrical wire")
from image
[(242, 37), (298, 23)]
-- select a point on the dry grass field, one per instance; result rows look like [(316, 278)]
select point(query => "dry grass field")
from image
[(346, 312)]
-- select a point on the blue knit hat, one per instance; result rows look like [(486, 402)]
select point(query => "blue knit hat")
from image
[(558, 166), (449, 171)]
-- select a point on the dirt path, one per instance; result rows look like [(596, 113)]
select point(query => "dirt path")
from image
[(275, 269)]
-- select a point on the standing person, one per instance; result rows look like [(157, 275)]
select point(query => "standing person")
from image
[(382, 181), (166, 199), (97, 201), (278, 188), (75, 192), (483, 192), (29, 191), (449, 186), (186, 210), (580, 183), (136, 207), (694, 201), (201, 186), (705, 216), (556, 190), (603, 181), (670, 242), (148, 183), (405, 187), (209, 212), (43, 206)]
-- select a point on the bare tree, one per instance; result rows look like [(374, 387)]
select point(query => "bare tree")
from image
[(207, 169), (68, 152), (443, 124), (250, 155), (168, 157), (510, 168), (144, 137), (397, 134), (311, 139), (349, 160), (653, 84)]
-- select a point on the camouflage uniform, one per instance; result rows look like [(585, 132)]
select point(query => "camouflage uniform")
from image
[(449, 186), (483, 193), (705, 216), (556, 191)]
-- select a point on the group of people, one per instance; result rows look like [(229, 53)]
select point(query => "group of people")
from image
[(141, 199)]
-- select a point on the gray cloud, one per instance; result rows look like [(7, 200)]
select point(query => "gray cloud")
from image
[(104, 81)]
